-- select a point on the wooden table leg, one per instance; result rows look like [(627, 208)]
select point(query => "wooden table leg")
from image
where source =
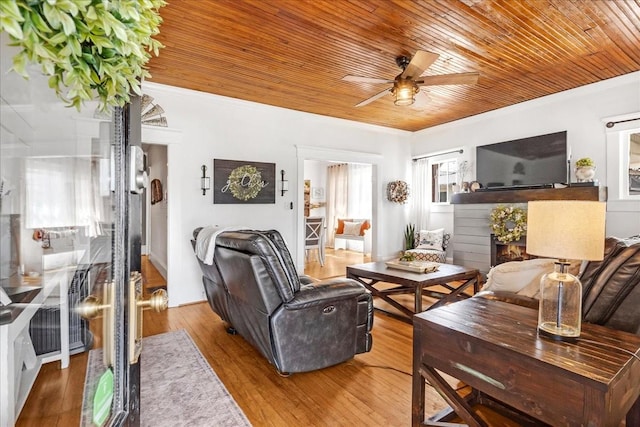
[(406, 315), (459, 405), (633, 416), (451, 296), (418, 300), (476, 285), (417, 397)]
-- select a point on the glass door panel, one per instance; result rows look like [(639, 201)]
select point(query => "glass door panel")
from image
[(65, 221)]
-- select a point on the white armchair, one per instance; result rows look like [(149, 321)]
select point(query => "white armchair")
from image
[(430, 245)]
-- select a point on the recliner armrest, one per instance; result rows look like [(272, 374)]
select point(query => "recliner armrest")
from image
[(324, 292), (306, 280)]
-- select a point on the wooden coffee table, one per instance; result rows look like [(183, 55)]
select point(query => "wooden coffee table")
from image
[(419, 284)]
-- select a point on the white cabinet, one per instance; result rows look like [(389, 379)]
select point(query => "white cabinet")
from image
[(19, 364)]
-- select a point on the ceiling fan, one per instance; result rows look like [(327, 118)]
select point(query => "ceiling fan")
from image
[(407, 84)]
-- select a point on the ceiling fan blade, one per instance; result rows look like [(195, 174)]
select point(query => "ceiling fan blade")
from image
[(420, 62), (422, 99), (449, 79), (374, 97), (359, 79)]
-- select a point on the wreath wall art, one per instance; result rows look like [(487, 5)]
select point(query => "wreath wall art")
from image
[(236, 182), (508, 223), (397, 192)]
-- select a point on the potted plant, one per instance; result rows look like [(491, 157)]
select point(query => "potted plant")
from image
[(585, 169), (407, 258), (409, 236), (91, 48)]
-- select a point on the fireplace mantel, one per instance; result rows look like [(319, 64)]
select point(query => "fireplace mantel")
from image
[(596, 193), (471, 229)]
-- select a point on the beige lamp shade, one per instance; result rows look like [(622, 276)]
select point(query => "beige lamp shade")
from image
[(566, 229)]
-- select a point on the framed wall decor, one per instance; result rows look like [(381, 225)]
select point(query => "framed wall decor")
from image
[(243, 182), (317, 192)]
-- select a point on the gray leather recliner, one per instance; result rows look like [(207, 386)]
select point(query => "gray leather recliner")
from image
[(298, 325)]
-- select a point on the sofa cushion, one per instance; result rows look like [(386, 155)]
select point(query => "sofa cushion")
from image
[(518, 276), (431, 239)]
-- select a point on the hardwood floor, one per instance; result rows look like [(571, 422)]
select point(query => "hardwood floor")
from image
[(371, 389), (151, 277), (336, 262)]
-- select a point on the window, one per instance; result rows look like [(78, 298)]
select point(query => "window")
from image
[(443, 180), (623, 157), (634, 164)]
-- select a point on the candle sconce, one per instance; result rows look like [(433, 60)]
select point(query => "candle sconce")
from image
[(284, 184), (205, 181)]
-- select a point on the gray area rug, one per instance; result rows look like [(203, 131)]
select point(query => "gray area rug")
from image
[(178, 387)]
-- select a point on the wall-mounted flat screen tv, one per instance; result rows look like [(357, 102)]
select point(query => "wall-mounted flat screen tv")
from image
[(534, 161)]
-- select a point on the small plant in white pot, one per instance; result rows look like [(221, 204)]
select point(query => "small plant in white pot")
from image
[(585, 170)]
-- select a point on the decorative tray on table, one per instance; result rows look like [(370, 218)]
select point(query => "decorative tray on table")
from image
[(414, 266)]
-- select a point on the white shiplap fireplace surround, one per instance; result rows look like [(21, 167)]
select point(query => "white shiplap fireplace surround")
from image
[(471, 232)]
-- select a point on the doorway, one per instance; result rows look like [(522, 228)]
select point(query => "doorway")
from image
[(155, 219), (338, 191), (336, 156)]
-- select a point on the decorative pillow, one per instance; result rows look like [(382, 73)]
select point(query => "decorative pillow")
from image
[(532, 290), (340, 229), (431, 239), (364, 227), (352, 228), (518, 276)]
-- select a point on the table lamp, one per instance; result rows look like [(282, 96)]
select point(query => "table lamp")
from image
[(566, 230)]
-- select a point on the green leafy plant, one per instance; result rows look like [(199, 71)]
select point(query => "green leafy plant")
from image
[(585, 162), (89, 47), (409, 236), (407, 257)]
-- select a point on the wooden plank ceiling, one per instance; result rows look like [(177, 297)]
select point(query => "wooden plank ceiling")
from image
[(294, 53)]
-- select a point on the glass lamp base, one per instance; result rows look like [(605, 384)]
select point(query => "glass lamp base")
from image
[(562, 333)]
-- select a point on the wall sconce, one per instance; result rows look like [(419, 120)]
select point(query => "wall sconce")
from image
[(205, 181), (284, 184)]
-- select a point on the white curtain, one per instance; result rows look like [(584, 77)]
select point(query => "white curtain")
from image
[(348, 195), (420, 194), (359, 200), (336, 194), (60, 192)]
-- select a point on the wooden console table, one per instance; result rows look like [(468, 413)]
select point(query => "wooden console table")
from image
[(493, 347)]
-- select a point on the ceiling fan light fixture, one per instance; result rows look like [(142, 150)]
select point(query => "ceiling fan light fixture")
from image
[(405, 93)]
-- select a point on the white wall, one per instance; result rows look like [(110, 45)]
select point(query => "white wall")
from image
[(217, 127), (579, 111), (316, 172), (157, 216)]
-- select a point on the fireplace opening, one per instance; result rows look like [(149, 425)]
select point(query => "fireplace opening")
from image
[(512, 251)]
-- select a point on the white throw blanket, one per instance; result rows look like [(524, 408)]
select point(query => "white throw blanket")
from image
[(206, 241)]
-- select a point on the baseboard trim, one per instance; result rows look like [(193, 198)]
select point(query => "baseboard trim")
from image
[(160, 266)]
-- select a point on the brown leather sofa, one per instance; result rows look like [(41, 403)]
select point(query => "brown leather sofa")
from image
[(296, 323), (610, 288)]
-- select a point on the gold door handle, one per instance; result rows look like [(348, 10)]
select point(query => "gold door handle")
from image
[(89, 309), (157, 302)]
